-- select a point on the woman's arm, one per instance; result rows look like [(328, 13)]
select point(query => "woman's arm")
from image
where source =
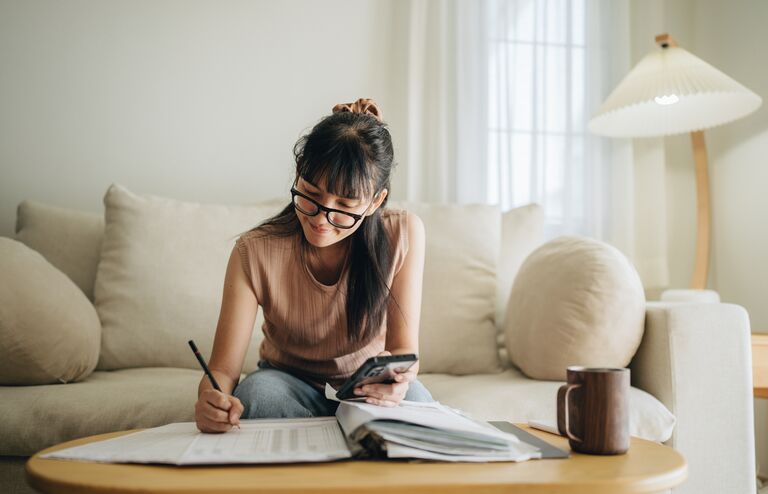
[(218, 411), (234, 329), (403, 316), (405, 308)]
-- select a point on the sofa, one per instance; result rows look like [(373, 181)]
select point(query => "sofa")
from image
[(95, 330)]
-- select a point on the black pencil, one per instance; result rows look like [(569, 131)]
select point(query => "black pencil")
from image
[(204, 366)]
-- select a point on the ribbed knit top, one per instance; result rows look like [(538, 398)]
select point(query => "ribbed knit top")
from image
[(305, 324)]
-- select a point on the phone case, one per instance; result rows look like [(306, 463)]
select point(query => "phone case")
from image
[(376, 370)]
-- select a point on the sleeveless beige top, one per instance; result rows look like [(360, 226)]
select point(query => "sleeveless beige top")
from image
[(305, 327)]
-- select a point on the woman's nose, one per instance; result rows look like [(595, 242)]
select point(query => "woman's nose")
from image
[(320, 220)]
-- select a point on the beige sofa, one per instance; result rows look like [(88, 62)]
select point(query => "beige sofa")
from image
[(149, 269)]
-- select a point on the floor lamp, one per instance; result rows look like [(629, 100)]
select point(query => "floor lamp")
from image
[(671, 91)]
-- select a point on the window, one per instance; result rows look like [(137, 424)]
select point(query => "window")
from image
[(537, 140)]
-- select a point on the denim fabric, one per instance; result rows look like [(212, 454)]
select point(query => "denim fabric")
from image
[(272, 393)]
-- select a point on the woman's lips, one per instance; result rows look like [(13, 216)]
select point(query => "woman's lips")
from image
[(319, 231)]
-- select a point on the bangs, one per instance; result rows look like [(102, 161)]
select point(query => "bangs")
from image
[(341, 163)]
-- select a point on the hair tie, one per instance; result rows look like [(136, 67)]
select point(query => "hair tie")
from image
[(362, 105)]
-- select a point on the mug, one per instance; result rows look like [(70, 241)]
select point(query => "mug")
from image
[(593, 410)]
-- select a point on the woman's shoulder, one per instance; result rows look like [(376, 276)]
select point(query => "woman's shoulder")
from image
[(398, 214), (402, 218), (404, 226), (249, 237), (259, 239), (394, 219)]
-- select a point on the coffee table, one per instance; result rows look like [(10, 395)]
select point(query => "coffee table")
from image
[(647, 467)]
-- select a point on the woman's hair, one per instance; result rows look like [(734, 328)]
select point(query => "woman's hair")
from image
[(353, 153)]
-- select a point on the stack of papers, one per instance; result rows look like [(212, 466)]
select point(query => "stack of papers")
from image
[(411, 430), (428, 431)]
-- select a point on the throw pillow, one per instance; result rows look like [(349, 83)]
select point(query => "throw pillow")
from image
[(68, 239), (522, 230), (49, 330), (575, 301), (160, 279), (457, 334)]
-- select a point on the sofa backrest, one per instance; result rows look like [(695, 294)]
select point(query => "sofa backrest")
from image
[(67, 238), (473, 253)]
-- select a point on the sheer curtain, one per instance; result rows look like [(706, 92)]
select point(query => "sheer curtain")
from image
[(445, 74), (550, 64), (499, 93)]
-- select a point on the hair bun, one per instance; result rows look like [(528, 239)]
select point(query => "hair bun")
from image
[(362, 105)]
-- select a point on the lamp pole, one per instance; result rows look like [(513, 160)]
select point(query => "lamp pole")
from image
[(701, 263)]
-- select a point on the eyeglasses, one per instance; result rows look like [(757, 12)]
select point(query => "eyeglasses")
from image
[(336, 217)]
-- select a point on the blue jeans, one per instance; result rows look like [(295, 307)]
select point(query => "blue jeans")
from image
[(272, 393)]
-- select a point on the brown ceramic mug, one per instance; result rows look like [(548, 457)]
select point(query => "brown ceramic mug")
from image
[(593, 410)]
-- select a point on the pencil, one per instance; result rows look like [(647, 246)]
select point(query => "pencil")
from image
[(204, 366)]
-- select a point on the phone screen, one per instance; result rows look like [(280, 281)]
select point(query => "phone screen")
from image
[(384, 373)]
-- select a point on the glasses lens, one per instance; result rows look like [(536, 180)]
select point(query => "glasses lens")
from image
[(341, 220), (305, 205)]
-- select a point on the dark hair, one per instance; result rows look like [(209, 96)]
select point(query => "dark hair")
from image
[(353, 153)]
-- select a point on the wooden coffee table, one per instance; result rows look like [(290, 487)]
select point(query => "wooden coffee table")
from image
[(647, 467)]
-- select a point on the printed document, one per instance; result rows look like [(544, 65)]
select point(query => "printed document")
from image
[(257, 441), (410, 430)]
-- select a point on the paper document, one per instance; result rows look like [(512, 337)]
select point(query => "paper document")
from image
[(257, 441), (429, 414), (165, 444), (427, 430), (272, 441)]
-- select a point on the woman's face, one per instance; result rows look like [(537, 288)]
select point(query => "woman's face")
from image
[(317, 230)]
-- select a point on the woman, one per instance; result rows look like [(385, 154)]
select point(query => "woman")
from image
[(338, 276)]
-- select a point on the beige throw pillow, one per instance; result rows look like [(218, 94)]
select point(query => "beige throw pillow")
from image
[(48, 328), (522, 231), (575, 301), (457, 334), (160, 279), (67, 238)]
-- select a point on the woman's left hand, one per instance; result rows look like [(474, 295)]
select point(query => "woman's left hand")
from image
[(387, 395)]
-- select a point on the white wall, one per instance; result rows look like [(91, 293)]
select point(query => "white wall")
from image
[(733, 37), (195, 100)]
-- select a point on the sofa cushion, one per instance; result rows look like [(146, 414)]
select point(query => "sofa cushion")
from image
[(522, 231), (49, 330), (35, 417), (457, 334), (160, 279), (513, 397), (575, 301), (67, 238)]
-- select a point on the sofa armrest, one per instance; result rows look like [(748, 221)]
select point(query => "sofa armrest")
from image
[(696, 359)]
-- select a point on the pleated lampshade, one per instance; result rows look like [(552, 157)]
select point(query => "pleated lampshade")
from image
[(671, 91)]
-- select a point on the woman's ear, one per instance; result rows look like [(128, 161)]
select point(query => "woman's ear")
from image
[(381, 196)]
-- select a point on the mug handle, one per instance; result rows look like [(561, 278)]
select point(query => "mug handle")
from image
[(568, 389)]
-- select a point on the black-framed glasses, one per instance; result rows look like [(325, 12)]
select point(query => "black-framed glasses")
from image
[(336, 217)]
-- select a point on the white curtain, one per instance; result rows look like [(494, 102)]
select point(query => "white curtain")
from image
[(499, 93), (446, 76), (552, 63)]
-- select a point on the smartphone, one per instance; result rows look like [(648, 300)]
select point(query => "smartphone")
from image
[(378, 370)]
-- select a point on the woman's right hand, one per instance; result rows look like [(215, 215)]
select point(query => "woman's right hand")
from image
[(216, 411)]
